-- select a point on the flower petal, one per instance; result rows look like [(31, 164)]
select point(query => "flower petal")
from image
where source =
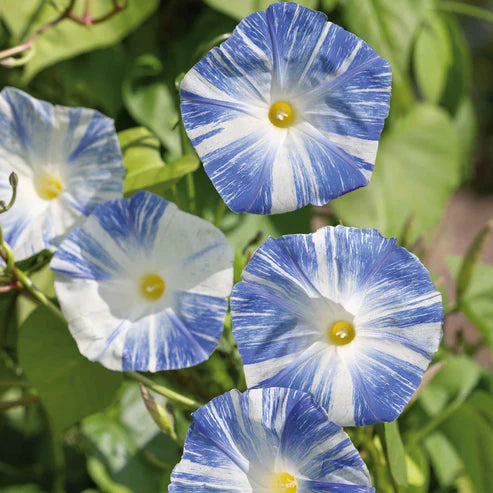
[(296, 287), (206, 468), (338, 87), (77, 145), (249, 438), (99, 269)]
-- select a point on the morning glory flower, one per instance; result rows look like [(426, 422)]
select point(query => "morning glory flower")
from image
[(287, 112), (143, 285), (68, 161), (343, 314), (267, 441)]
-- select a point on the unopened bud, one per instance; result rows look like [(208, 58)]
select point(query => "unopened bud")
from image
[(13, 179), (159, 414)]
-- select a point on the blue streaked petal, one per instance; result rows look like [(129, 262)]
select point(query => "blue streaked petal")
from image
[(296, 287), (239, 442), (319, 449), (76, 145), (339, 89), (206, 468), (99, 270), (305, 486)]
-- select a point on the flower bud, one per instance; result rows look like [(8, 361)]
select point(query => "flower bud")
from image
[(159, 414)]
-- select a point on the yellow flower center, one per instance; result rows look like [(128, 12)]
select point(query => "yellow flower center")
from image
[(49, 187), (341, 333), (152, 286), (281, 114), (283, 482)]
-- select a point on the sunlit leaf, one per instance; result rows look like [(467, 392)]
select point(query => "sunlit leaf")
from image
[(44, 280), (395, 453), (417, 170), (432, 57), (151, 101), (68, 39), (387, 25), (241, 8), (472, 437), (455, 382), (445, 461), (126, 450), (145, 168), (418, 471), (466, 123), (476, 303), (459, 78)]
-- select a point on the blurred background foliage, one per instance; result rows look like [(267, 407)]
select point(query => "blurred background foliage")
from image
[(70, 425)]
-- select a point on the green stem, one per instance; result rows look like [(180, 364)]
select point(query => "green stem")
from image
[(379, 470), (14, 383), (221, 209), (9, 259), (29, 399), (434, 423), (30, 290), (192, 206), (165, 391), (186, 148), (465, 9)]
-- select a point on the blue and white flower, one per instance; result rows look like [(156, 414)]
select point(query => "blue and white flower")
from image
[(68, 161), (343, 314), (267, 441), (143, 285), (287, 112)]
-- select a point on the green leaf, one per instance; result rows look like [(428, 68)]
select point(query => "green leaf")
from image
[(472, 437), (96, 78), (455, 382), (7, 372), (124, 445), (68, 39), (446, 463), (483, 402), (145, 168), (417, 170), (418, 472), (432, 57), (459, 77), (388, 26), (466, 124), (470, 260), (8, 322), (329, 5), (151, 101), (476, 303), (241, 8), (140, 149), (395, 453), (70, 386), (247, 231), (44, 280)]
